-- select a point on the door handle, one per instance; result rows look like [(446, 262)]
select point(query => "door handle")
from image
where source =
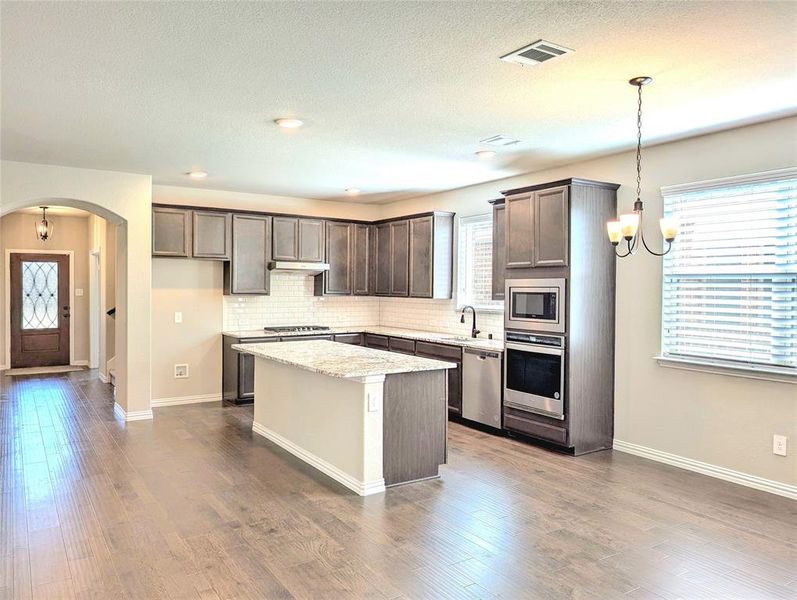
[(66, 312)]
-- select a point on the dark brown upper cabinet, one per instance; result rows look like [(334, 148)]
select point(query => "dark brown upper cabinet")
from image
[(382, 263), (499, 249), (537, 228), (338, 279), (431, 255), (362, 272), (171, 232), (296, 239), (247, 272), (519, 231), (212, 235), (551, 228), (399, 258)]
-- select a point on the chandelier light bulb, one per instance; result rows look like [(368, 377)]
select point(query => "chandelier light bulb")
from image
[(615, 231), (629, 224), (669, 228)]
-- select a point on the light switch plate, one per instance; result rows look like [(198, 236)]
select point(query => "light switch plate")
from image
[(178, 317), (373, 402), (78, 291), (780, 445)]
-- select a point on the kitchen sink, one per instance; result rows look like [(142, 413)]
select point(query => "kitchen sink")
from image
[(459, 338)]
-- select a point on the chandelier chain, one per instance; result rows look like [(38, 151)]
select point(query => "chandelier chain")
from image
[(639, 144)]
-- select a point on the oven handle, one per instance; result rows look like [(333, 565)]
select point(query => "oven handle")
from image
[(535, 348)]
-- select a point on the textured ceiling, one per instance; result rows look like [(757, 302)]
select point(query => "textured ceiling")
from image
[(395, 95)]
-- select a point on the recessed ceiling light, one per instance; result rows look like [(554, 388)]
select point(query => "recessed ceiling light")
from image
[(485, 154), (352, 191), (289, 122), (197, 174), (499, 140)]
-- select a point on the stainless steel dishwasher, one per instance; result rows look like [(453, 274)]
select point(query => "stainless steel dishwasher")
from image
[(481, 386)]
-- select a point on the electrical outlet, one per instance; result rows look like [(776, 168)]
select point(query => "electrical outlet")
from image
[(373, 402), (178, 317), (780, 445), (180, 371)]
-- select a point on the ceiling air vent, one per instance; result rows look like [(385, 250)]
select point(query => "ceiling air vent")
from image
[(536, 53), (499, 140)]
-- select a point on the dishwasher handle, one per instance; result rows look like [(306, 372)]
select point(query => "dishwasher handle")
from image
[(482, 354)]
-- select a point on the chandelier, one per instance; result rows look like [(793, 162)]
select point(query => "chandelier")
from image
[(629, 227), (44, 228)]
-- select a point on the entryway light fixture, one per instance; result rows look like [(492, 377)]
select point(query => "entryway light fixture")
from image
[(629, 226), (44, 228)]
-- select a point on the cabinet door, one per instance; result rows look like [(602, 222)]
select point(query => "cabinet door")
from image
[(383, 262), (338, 279), (212, 235), (499, 251), (171, 232), (355, 339), (421, 256), (519, 231), (311, 240), (361, 260), (447, 354), (285, 234), (551, 227), (248, 271), (399, 258)]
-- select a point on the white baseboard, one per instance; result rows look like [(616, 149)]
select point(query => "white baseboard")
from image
[(103, 378), (759, 483), (177, 400), (363, 488), (135, 415), (80, 363), (3, 367)]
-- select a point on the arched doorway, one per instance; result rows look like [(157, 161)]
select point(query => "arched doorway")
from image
[(125, 200)]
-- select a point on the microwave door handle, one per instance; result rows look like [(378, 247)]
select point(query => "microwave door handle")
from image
[(532, 348)]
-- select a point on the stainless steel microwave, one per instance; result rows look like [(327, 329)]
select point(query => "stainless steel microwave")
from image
[(535, 305)]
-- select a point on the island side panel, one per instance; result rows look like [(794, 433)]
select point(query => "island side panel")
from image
[(415, 421), (322, 420)]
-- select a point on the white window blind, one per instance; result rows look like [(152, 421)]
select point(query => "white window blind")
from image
[(730, 282), (475, 263)]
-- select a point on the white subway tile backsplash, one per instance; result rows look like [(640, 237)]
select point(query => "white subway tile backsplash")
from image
[(292, 303)]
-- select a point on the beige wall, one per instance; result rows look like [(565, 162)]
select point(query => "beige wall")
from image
[(69, 233), (193, 287), (121, 198), (718, 419)]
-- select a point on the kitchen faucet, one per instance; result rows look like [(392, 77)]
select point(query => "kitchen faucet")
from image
[(473, 331)]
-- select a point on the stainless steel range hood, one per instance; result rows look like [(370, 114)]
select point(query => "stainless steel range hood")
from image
[(308, 268)]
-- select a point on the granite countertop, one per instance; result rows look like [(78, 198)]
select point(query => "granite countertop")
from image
[(341, 360), (412, 334)]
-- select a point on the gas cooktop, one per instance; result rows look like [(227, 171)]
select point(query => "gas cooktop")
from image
[(295, 329)]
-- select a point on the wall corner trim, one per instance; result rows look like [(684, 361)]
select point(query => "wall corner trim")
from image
[(745, 479), (178, 400), (363, 488), (135, 415)]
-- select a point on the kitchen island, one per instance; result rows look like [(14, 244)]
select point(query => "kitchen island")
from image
[(367, 418)]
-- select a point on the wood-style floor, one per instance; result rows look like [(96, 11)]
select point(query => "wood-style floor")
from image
[(193, 505)]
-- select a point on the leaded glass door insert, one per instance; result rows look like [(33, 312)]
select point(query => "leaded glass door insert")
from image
[(39, 295)]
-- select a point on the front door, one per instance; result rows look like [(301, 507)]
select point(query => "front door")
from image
[(39, 310)]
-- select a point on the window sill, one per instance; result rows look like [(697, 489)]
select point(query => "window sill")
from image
[(483, 309), (719, 368)]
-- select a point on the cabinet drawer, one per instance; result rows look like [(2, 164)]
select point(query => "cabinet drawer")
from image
[(401, 345), (515, 422), (438, 351), (304, 338), (349, 338), (376, 341)]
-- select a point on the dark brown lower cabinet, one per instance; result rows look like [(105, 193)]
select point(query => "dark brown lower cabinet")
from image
[(238, 370), (449, 354)]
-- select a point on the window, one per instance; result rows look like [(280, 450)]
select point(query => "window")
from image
[(475, 262), (730, 282)]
